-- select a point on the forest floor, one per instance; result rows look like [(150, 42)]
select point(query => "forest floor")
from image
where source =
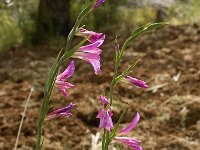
[(170, 108)]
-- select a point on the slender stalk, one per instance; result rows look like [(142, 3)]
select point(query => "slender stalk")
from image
[(22, 120), (71, 34), (108, 140), (111, 91), (103, 139), (45, 103), (49, 85)]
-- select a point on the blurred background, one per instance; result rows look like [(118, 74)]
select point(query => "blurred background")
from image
[(33, 31), (25, 22)]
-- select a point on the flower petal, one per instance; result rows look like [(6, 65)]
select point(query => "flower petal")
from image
[(105, 119), (93, 59), (98, 3), (130, 142), (100, 114), (61, 112), (94, 37), (131, 125), (136, 82), (103, 100), (91, 48), (63, 86), (128, 139), (96, 65), (68, 72)]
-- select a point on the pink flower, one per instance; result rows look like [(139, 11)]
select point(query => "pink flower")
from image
[(94, 37), (131, 125), (98, 3), (136, 82), (105, 119), (91, 52), (61, 112), (61, 82), (103, 100), (130, 142), (105, 115)]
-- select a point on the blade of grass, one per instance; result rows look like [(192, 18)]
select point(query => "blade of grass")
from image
[(22, 120)]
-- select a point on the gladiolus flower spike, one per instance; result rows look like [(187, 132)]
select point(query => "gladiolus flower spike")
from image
[(61, 112), (61, 83)]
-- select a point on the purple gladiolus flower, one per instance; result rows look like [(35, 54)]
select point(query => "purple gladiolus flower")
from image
[(98, 3), (130, 142), (94, 37), (61, 112), (105, 115), (103, 100), (131, 125), (61, 83), (91, 52), (136, 82), (105, 119)]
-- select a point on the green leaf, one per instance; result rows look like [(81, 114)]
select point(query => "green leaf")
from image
[(139, 31), (50, 76), (144, 28), (151, 26), (116, 56), (60, 54)]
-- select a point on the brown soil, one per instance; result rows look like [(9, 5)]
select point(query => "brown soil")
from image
[(170, 108)]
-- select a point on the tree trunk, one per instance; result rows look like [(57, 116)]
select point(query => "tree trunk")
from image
[(53, 19)]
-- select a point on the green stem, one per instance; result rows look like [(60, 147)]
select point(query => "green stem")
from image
[(103, 139), (45, 103), (71, 35), (49, 85), (108, 140), (111, 91)]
